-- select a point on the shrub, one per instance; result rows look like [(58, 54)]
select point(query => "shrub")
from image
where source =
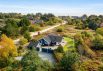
[(68, 60), (60, 49), (31, 29), (60, 29), (23, 41), (100, 31), (27, 36), (58, 56), (32, 62), (98, 42), (37, 27), (50, 23), (87, 65)]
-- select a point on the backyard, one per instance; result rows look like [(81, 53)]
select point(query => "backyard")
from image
[(70, 46)]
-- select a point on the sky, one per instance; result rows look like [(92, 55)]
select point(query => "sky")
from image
[(57, 7)]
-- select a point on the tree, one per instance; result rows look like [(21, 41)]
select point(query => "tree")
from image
[(32, 62), (98, 42), (68, 60), (7, 51), (11, 28), (7, 47), (27, 36), (24, 22), (24, 29)]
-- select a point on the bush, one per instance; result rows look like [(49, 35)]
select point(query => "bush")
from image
[(60, 29), (24, 29), (87, 65), (50, 23), (27, 36), (68, 60), (23, 41), (58, 56), (100, 31), (98, 43), (32, 62), (31, 29), (60, 49)]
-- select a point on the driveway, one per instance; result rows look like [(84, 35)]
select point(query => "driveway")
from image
[(47, 56), (44, 56)]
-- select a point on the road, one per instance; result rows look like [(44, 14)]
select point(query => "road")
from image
[(41, 31)]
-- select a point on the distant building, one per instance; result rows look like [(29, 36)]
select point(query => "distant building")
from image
[(75, 17), (45, 44), (101, 25), (36, 21)]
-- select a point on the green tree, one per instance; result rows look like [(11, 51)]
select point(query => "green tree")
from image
[(11, 28), (32, 62), (68, 60), (27, 36), (24, 29), (97, 42), (24, 22)]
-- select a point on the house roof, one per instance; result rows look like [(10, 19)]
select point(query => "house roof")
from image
[(33, 44), (47, 39), (53, 38)]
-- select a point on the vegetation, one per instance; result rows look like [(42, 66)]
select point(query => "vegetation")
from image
[(68, 60), (82, 36), (100, 31), (87, 65), (23, 41), (7, 51), (32, 62)]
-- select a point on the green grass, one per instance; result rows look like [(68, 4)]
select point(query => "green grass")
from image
[(70, 44)]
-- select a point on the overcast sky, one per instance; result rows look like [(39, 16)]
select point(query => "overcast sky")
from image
[(57, 7)]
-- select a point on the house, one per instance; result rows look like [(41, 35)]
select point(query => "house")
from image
[(35, 44), (101, 25), (36, 21), (47, 43), (51, 40)]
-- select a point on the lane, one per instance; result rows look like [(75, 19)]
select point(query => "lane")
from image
[(42, 31)]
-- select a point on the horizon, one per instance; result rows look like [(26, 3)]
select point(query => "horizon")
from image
[(57, 7)]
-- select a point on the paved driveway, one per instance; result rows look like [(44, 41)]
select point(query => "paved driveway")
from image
[(46, 56)]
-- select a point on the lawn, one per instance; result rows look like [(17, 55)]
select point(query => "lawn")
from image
[(70, 44)]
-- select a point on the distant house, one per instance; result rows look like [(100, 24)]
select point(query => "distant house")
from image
[(36, 21), (75, 17), (45, 44), (101, 25)]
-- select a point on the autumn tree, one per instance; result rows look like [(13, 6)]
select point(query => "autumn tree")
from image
[(7, 47), (7, 51)]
